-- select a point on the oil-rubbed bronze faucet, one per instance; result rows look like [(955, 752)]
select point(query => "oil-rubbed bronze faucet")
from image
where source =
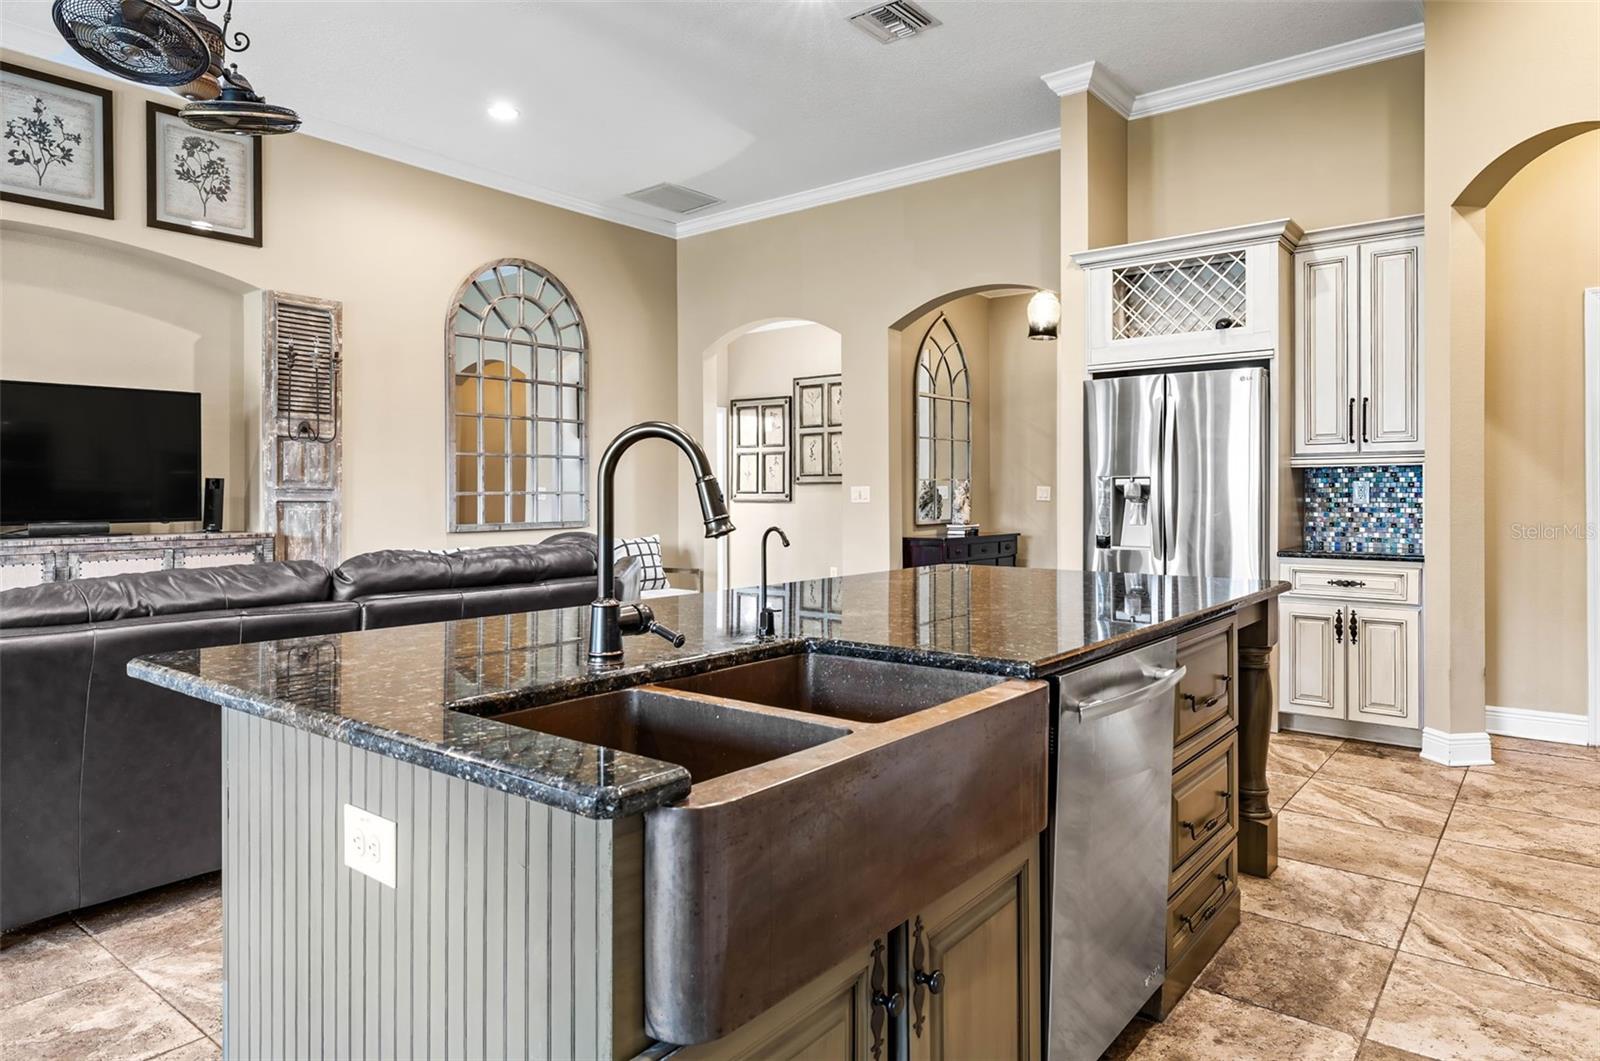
[(766, 626), (609, 619)]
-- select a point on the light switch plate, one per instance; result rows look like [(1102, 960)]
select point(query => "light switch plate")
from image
[(1041, 493), (860, 495), (369, 844)]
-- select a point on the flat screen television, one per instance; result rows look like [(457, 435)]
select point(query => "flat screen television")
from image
[(98, 454)]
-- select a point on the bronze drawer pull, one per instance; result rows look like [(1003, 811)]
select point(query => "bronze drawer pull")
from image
[(1197, 704), (1347, 583), (1191, 923), (1210, 826)]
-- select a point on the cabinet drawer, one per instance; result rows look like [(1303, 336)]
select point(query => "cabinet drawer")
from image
[(1384, 582), (1205, 803), (981, 550), (1200, 902), (1203, 703), (1008, 547), (956, 551)]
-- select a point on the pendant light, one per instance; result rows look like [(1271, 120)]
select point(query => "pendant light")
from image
[(172, 44), (1044, 315)]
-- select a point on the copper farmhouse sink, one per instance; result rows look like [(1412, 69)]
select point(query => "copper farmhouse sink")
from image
[(832, 797)]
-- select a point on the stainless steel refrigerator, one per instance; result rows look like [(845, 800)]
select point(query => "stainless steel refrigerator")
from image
[(1176, 473)]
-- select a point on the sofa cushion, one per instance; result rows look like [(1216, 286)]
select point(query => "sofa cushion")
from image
[(646, 550), (175, 592), (48, 604), (389, 571)]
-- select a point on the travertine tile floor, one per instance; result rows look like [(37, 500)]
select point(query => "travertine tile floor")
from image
[(1417, 911)]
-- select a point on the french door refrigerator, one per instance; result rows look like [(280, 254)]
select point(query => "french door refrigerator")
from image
[(1176, 473)]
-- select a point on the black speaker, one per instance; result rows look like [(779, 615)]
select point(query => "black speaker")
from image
[(212, 508)]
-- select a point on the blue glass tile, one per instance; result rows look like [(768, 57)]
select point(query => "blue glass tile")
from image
[(1390, 522)]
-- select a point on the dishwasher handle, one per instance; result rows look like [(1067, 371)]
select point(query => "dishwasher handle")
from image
[(1164, 681)]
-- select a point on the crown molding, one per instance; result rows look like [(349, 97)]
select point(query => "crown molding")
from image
[(1282, 231), (1360, 232), (1346, 56), (49, 48), (1094, 78), (899, 177)]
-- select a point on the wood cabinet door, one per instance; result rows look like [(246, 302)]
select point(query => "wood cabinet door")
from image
[(1390, 417), (1313, 657), (1325, 353), (830, 1019), (1385, 656), (975, 967)]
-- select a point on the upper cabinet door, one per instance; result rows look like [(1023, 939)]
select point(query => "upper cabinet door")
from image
[(1390, 417), (1325, 353)]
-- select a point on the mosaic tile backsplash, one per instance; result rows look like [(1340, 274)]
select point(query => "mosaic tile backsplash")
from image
[(1389, 522)]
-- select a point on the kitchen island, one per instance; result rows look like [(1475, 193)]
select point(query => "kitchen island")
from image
[(706, 839)]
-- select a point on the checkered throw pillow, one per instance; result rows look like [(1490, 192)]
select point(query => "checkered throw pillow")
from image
[(648, 552)]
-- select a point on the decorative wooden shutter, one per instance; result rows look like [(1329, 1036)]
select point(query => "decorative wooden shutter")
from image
[(301, 427)]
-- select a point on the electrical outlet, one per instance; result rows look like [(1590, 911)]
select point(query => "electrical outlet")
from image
[(833, 572), (369, 844), (1361, 491), (1041, 493), (860, 495)]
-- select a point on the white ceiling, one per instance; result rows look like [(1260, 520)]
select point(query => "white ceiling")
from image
[(748, 101)]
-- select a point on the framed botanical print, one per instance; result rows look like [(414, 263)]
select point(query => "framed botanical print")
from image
[(57, 142), (819, 429), (758, 449), (205, 184)]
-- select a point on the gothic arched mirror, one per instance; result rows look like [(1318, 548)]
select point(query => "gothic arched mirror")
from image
[(942, 391)]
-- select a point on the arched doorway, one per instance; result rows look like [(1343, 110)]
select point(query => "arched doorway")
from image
[(974, 402), (1540, 215), (789, 476)]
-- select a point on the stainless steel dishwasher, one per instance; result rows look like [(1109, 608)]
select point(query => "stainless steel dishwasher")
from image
[(1110, 837)]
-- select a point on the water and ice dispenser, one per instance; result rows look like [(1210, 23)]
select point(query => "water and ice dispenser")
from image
[(1122, 517)]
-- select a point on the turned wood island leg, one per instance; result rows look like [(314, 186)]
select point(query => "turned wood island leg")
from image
[(1258, 826)]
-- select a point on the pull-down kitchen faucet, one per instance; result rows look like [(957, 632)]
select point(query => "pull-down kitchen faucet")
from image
[(765, 624), (609, 619)]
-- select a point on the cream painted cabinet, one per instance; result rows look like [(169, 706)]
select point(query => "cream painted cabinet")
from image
[(1351, 642), (1312, 635), (1326, 369), (1385, 652), (1358, 344)]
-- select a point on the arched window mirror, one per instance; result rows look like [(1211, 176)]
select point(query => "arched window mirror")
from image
[(517, 370), (943, 394)]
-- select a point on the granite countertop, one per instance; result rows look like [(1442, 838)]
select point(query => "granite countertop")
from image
[(1340, 554), (427, 694)]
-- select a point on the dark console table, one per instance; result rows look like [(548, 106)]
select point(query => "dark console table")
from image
[(985, 550)]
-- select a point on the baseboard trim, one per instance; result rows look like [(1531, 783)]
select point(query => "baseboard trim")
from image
[(1456, 749), (1338, 727), (1558, 727)]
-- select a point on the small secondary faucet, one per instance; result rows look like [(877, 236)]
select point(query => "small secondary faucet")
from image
[(766, 625), (609, 619)]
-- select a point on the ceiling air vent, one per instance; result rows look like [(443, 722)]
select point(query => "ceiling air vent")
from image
[(674, 198), (894, 21)]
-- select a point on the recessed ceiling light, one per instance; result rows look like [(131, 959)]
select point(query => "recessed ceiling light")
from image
[(501, 111)]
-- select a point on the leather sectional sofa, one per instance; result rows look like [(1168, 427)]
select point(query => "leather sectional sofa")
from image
[(110, 786)]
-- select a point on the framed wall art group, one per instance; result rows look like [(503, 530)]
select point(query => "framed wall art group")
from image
[(58, 154), (779, 442)]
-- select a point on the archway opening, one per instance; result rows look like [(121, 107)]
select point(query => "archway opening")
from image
[(1541, 251), (973, 420), (772, 395)]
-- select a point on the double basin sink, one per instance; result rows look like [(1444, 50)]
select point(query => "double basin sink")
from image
[(831, 798)]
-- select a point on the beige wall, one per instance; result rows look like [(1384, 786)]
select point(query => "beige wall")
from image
[(1497, 74), (861, 267), (1022, 431), (760, 365), (1326, 151), (73, 312), (392, 243), (1543, 251)]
